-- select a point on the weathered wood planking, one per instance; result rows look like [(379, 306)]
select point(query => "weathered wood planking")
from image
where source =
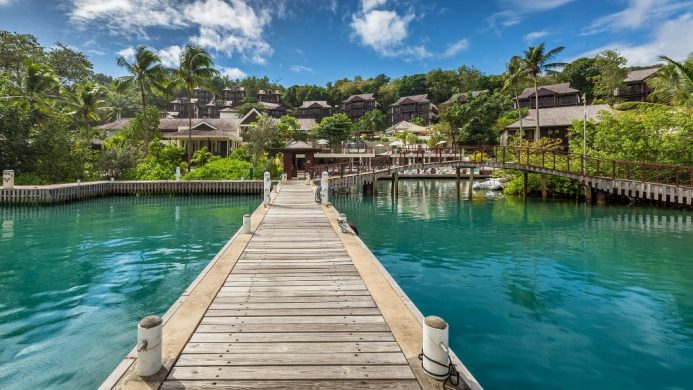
[(293, 309)]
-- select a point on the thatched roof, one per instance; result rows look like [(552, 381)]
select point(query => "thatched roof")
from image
[(406, 126), (560, 89), (639, 75), (315, 103), (560, 116), (412, 99), (463, 97), (363, 96)]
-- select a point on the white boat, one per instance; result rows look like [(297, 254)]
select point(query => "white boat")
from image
[(490, 184)]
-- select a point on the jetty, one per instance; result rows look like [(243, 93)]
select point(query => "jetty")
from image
[(300, 302)]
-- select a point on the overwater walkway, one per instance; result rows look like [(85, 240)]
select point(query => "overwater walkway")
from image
[(303, 307)]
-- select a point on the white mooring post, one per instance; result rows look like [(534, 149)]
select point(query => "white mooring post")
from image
[(177, 173), (149, 346), (246, 224), (435, 347), (324, 184), (8, 179), (268, 187)]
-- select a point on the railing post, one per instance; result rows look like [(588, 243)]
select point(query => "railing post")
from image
[(267, 187), (543, 152), (554, 159), (528, 156), (324, 187)]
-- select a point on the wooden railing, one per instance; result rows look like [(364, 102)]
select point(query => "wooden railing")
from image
[(561, 162)]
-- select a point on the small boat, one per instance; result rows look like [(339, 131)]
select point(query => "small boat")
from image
[(490, 184)]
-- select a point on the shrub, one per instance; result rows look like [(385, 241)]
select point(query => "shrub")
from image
[(221, 169)]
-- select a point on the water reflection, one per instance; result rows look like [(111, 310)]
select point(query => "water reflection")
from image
[(542, 294), (74, 276)]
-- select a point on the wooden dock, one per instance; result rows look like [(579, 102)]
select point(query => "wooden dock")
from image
[(297, 310)]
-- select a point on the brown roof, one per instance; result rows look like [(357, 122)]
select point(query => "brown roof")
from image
[(314, 103), (639, 75), (173, 124), (414, 98), (363, 96), (299, 145), (560, 89), (463, 97), (272, 106), (560, 116)]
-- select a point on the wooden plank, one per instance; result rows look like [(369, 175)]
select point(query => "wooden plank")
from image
[(299, 319), (283, 348), (283, 328), (384, 384), (271, 299), (292, 372), (288, 337), (289, 359), (355, 311)]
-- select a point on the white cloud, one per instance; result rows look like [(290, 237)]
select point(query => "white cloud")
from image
[(515, 11), (638, 14), (672, 39), (5, 2), (229, 27), (534, 35), (170, 56), (126, 17), (455, 48), (367, 5), (128, 53), (301, 69), (383, 31), (233, 73)]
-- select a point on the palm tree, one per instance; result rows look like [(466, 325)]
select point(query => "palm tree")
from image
[(673, 84), (514, 78), (86, 102), (535, 62), (146, 72), (37, 83), (196, 69)]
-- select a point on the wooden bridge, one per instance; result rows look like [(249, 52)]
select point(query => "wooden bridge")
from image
[(666, 183), (300, 303)]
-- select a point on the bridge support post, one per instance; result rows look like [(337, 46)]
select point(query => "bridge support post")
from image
[(471, 183), (601, 197), (544, 192), (588, 194), (524, 184), (395, 183), (457, 173)]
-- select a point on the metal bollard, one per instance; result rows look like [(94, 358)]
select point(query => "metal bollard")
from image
[(324, 183), (149, 345), (8, 179), (268, 187), (246, 224), (436, 359)]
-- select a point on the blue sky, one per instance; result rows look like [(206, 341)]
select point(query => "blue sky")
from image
[(315, 41)]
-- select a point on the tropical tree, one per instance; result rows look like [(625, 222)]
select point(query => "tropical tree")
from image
[(610, 75), (37, 83), (673, 84), (373, 121), (335, 128), (263, 136), (515, 77), (288, 127), (535, 62), (86, 103), (146, 73), (195, 69)]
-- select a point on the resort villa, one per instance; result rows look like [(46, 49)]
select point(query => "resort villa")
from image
[(357, 105), (636, 89), (410, 107), (315, 109)]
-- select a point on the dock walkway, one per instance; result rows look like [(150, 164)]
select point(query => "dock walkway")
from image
[(294, 313)]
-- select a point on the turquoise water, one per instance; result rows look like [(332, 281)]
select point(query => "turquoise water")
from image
[(76, 278), (542, 295)]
